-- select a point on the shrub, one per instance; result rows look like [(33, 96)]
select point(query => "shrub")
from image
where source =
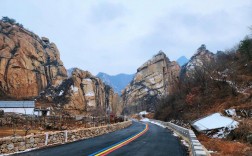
[(241, 133)]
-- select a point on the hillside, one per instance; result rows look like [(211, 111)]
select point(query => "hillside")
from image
[(117, 82), (211, 83)]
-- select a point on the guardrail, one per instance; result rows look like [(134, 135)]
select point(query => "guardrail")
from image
[(196, 147)]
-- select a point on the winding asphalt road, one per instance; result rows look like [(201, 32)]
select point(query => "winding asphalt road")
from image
[(157, 141)]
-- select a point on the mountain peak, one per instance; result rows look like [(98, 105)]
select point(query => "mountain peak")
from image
[(182, 61), (117, 82), (201, 51)]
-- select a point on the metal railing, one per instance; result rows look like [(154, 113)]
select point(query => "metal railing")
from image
[(196, 147)]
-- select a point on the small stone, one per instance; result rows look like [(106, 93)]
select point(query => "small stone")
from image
[(28, 145), (10, 146), (16, 149), (32, 140), (4, 146), (37, 140), (22, 148)]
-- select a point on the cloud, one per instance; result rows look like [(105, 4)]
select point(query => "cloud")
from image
[(106, 12), (118, 36)]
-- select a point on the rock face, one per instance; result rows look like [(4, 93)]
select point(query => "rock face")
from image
[(83, 93), (30, 68), (201, 57), (89, 93), (153, 79), (28, 64)]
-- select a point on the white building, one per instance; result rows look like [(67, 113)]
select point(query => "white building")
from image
[(23, 107)]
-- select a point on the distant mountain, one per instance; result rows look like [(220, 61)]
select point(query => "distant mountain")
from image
[(117, 82), (182, 60)]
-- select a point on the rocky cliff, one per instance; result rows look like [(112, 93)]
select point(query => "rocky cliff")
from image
[(82, 93), (30, 68), (28, 64), (153, 79)]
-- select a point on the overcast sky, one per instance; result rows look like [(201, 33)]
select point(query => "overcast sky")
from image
[(117, 36)]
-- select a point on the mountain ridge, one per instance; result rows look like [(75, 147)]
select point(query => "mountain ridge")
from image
[(118, 82), (182, 60)]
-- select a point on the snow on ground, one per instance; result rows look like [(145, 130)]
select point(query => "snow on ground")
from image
[(174, 134), (90, 94), (74, 89), (61, 92), (156, 123), (143, 113), (145, 120), (216, 122), (185, 143), (87, 79), (231, 112)]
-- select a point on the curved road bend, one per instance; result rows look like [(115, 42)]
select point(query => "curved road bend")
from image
[(157, 141)]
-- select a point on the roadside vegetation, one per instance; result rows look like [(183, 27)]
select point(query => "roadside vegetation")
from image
[(222, 83)]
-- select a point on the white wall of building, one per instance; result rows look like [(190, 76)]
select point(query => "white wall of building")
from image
[(28, 111)]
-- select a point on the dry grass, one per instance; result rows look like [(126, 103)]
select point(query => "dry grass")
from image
[(225, 148), (241, 133)]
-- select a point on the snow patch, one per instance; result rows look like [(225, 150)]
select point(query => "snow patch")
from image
[(216, 121), (143, 113), (152, 80), (145, 120), (156, 123), (61, 92), (89, 80), (90, 94), (185, 143), (74, 89), (231, 112)]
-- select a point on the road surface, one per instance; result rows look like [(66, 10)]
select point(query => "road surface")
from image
[(150, 140)]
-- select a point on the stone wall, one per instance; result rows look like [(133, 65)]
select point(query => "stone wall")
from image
[(18, 144)]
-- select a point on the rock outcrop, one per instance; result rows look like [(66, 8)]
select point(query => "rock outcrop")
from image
[(82, 93), (28, 64), (30, 68), (89, 93), (153, 79), (198, 60)]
